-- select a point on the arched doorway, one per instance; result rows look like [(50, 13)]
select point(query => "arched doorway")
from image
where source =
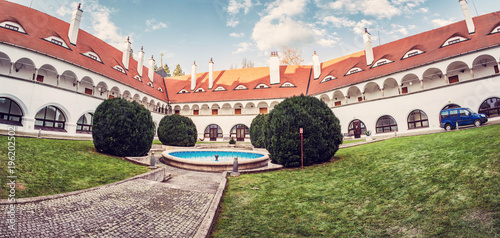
[(240, 132), (490, 107), (356, 128), (213, 132)]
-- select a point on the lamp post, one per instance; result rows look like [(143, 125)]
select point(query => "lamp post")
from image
[(302, 148)]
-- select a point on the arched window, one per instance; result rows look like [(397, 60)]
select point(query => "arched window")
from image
[(240, 132), (84, 124), (417, 119), (490, 107), (10, 112), (50, 118), (449, 106), (386, 124), (356, 128), (213, 132)]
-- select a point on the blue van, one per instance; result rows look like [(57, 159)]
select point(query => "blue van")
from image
[(453, 117)]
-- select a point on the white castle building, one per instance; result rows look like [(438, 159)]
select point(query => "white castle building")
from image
[(53, 75)]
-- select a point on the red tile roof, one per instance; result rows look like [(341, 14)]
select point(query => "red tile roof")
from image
[(230, 79), (430, 42), (39, 25)]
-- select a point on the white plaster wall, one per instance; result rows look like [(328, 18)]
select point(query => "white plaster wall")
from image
[(466, 94)]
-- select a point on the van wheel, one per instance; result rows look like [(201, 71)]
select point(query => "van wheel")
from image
[(447, 127), (477, 123)]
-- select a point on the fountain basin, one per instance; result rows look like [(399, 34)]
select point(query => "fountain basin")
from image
[(204, 160)]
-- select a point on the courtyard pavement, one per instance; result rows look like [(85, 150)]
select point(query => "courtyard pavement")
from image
[(136, 208)]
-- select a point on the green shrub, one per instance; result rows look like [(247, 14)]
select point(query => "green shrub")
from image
[(232, 141), (122, 128), (322, 135), (177, 130), (257, 133)]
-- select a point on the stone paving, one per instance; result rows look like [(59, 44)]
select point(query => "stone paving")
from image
[(137, 208)]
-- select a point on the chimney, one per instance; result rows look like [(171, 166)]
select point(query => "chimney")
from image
[(210, 74), (468, 17), (368, 47), (140, 61), (151, 71), (74, 27), (193, 76), (316, 66), (274, 68), (126, 53)]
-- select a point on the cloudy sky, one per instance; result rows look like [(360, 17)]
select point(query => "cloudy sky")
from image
[(230, 30)]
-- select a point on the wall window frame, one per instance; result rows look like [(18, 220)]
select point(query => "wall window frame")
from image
[(10, 112), (44, 121), (386, 124), (84, 125), (417, 119)]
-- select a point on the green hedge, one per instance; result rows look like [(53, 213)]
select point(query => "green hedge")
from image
[(322, 135), (122, 128), (257, 135), (177, 130)]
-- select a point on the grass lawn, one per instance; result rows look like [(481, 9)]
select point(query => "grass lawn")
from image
[(45, 167), (444, 185), (345, 142)]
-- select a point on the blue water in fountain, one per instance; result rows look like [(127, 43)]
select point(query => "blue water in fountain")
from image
[(210, 155)]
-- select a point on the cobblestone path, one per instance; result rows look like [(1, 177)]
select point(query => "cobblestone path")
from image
[(137, 208)]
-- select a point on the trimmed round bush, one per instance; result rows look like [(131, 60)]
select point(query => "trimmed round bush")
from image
[(177, 130), (322, 135), (122, 128), (257, 127)]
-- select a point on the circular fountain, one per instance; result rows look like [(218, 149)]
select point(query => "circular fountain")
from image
[(213, 160)]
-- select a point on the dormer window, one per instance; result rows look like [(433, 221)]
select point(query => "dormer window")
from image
[(183, 91), (160, 89), (119, 68), (353, 71), (287, 85), (327, 78), (93, 56), (262, 86), (56, 41), (381, 62), (138, 78), (496, 30), (453, 40), (12, 26), (412, 53), (150, 84), (241, 87), (220, 88), (199, 90)]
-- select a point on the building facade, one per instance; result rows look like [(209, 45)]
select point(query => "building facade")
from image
[(53, 76)]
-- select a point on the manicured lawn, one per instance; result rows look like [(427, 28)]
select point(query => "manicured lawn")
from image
[(45, 167), (440, 185), (345, 142)]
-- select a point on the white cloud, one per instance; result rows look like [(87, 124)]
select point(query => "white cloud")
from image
[(65, 10), (376, 8), (155, 25), (237, 35), (242, 47), (278, 27), (337, 21), (232, 22), (359, 28), (442, 22), (234, 8)]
